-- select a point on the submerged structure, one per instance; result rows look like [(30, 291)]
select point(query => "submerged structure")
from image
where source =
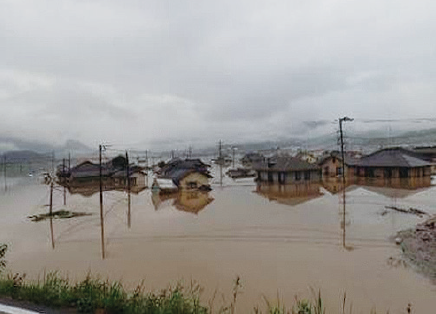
[(287, 170), (179, 174)]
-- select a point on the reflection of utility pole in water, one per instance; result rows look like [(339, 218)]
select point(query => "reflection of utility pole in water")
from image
[(101, 205), (128, 190), (344, 222), (51, 213)]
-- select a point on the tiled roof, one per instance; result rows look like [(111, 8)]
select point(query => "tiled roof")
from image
[(393, 157), (285, 164)]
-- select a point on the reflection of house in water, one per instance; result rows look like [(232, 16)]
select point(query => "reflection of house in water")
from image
[(289, 194), (335, 185), (188, 201), (395, 187), (390, 187)]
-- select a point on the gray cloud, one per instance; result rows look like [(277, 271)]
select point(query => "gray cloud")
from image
[(150, 71)]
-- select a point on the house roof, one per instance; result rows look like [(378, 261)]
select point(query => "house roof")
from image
[(393, 157), (285, 164), (349, 160), (177, 169)]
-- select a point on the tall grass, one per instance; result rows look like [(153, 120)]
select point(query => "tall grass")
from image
[(94, 294)]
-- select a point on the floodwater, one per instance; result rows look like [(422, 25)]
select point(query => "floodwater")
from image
[(281, 241)]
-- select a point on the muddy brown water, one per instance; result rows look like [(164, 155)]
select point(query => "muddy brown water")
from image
[(281, 241)]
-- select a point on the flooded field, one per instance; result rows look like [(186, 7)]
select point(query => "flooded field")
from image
[(281, 240)]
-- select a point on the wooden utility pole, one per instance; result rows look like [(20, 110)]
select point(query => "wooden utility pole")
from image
[(51, 213), (220, 161), (63, 181), (4, 172), (341, 120), (100, 147), (128, 190), (52, 161), (233, 157), (146, 165), (69, 162)]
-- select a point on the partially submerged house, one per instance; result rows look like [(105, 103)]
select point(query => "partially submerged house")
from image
[(251, 159), (113, 173), (394, 162), (331, 164), (188, 174), (287, 170)]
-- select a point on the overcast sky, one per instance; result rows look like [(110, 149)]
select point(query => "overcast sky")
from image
[(141, 72)]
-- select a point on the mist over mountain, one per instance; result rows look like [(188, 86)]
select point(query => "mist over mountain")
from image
[(365, 141)]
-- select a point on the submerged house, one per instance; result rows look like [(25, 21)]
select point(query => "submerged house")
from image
[(331, 164), (394, 162), (114, 173), (251, 159), (287, 170), (188, 174)]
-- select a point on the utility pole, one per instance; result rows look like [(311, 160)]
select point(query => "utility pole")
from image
[(233, 156), (69, 161), (128, 190), (341, 120), (100, 147), (4, 172), (51, 212), (64, 181), (221, 161), (146, 165), (52, 161)]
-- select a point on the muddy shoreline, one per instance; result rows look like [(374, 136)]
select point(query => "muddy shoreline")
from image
[(419, 247)]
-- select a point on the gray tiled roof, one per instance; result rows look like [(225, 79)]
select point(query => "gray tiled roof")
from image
[(393, 157), (285, 164)]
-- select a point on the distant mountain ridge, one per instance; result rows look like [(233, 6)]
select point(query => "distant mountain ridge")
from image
[(366, 141)]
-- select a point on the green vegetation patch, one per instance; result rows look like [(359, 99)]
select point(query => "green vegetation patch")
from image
[(59, 214)]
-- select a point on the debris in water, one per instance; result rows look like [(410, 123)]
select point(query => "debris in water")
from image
[(59, 214), (411, 210)]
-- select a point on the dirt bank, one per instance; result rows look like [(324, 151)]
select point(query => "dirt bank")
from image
[(419, 246)]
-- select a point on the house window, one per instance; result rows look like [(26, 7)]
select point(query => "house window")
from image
[(297, 175), (338, 171), (307, 175)]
